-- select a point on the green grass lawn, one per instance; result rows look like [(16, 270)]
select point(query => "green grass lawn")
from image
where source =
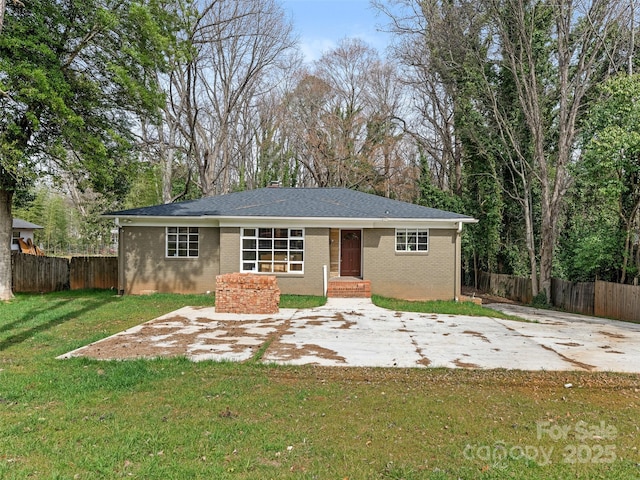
[(173, 419), (441, 307)]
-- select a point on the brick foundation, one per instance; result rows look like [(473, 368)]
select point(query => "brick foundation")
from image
[(247, 293)]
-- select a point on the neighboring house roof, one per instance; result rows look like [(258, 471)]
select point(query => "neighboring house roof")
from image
[(311, 203), (19, 224)]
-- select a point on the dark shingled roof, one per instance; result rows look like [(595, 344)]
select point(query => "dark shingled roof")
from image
[(20, 224), (294, 203)]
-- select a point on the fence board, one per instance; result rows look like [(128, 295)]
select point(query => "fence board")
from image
[(613, 300), (602, 299), (35, 274), (576, 297), (484, 282), (93, 272), (507, 286)]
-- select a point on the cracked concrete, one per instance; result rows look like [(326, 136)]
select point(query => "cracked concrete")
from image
[(354, 332)]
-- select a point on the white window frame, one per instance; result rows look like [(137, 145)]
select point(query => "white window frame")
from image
[(408, 240), (184, 238), (15, 237), (274, 253)]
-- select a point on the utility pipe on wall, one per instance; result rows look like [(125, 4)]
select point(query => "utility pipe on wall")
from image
[(325, 280)]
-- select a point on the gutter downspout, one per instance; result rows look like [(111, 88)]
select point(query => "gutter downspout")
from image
[(121, 274), (457, 285), (325, 281)]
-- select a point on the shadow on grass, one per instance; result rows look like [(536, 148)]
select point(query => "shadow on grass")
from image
[(45, 317)]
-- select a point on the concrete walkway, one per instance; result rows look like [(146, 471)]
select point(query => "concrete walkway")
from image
[(354, 332)]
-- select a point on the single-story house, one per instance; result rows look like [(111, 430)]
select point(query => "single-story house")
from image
[(306, 237), (22, 230)]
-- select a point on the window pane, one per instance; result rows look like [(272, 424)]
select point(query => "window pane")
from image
[(248, 244), (265, 233), (265, 266), (249, 232), (280, 255), (171, 252), (296, 244), (265, 256), (296, 256), (280, 244), (295, 233), (296, 267), (265, 244), (248, 255), (193, 230), (172, 230), (280, 232), (183, 229), (249, 267), (280, 267)]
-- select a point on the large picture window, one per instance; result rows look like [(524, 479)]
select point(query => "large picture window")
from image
[(182, 241), (412, 240), (272, 250)]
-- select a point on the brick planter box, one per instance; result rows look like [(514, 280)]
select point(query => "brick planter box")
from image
[(247, 293)]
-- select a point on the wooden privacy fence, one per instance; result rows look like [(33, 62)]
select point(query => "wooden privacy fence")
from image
[(603, 299), (93, 272), (614, 300), (576, 297), (36, 274), (507, 286)]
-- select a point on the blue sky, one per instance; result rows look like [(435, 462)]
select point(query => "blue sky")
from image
[(321, 24)]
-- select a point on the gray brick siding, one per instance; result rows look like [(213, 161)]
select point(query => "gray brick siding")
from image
[(146, 268), (412, 276)]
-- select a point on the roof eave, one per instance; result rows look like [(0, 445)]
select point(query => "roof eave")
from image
[(257, 221)]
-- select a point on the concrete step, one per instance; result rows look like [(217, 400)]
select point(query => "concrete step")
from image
[(349, 289)]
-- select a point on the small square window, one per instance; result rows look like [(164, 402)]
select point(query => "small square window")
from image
[(182, 241), (412, 240)]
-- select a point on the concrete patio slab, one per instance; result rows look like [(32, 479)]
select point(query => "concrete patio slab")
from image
[(354, 332)]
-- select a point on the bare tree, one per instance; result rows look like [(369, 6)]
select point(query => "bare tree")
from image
[(550, 52), (229, 55), (344, 112), (239, 44)]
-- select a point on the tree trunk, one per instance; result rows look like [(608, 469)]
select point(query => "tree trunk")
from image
[(6, 227), (547, 244), (530, 241), (3, 5)]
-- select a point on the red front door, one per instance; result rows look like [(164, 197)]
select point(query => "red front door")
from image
[(350, 253)]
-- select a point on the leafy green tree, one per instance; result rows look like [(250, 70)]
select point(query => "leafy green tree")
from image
[(73, 76), (612, 161)]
